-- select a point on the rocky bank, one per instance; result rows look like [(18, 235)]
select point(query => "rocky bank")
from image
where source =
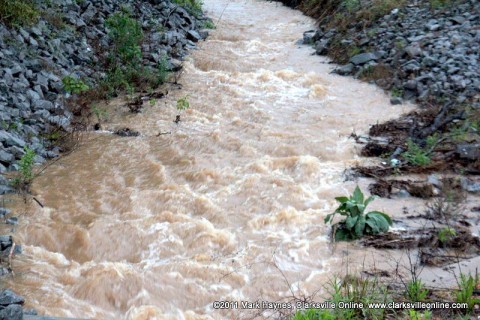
[(425, 52), (419, 50), (67, 41)]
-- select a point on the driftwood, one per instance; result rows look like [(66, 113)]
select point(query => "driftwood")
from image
[(441, 120)]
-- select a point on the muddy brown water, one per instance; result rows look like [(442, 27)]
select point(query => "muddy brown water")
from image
[(230, 206)]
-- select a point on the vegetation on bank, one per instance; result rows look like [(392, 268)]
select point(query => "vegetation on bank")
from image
[(128, 66), (18, 12), (125, 71), (361, 292), (357, 223), (193, 6), (369, 298)]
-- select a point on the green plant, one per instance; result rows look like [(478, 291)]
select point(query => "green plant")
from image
[(396, 92), (314, 314), (208, 24), (161, 72), (437, 4), (446, 234), (183, 104), (72, 85), (416, 290), (194, 6), (357, 223), (418, 315), (18, 12), (100, 113), (152, 102), (416, 155), (124, 63), (126, 35), (53, 136), (467, 285), (400, 44), (351, 5), (25, 169), (353, 51)]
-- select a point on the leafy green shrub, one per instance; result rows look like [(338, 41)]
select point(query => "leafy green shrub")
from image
[(18, 12), (126, 35), (72, 85), (25, 170), (446, 234), (464, 294), (208, 24), (183, 104), (416, 155), (416, 290), (124, 63), (357, 223)]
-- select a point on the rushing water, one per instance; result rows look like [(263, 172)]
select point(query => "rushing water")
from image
[(230, 206)]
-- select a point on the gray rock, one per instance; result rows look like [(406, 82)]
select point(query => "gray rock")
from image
[(194, 35), (345, 69), (396, 100), (12, 312), (435, 181), (11, 140), (414, 50), (458, 19), (363, 58), (6, 157), (411, 66), (89, 13), (33, 95), (8, 297), (321, 47), (43, 104), (33, 42), (309, 37), (411, 84), (470, 186), (432, 25), (12, 221), (3, 188), (469, 151), (36, 31)]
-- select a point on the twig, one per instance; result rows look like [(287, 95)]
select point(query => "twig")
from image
[(10, 258), (441, 120), (37, 201)]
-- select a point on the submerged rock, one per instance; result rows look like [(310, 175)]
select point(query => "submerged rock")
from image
[(127, 132)]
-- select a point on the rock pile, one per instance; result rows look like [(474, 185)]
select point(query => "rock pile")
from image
[(11, 306), (66, 42), (427, 53)]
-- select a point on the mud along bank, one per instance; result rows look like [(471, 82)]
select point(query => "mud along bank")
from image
[(423, 51)]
